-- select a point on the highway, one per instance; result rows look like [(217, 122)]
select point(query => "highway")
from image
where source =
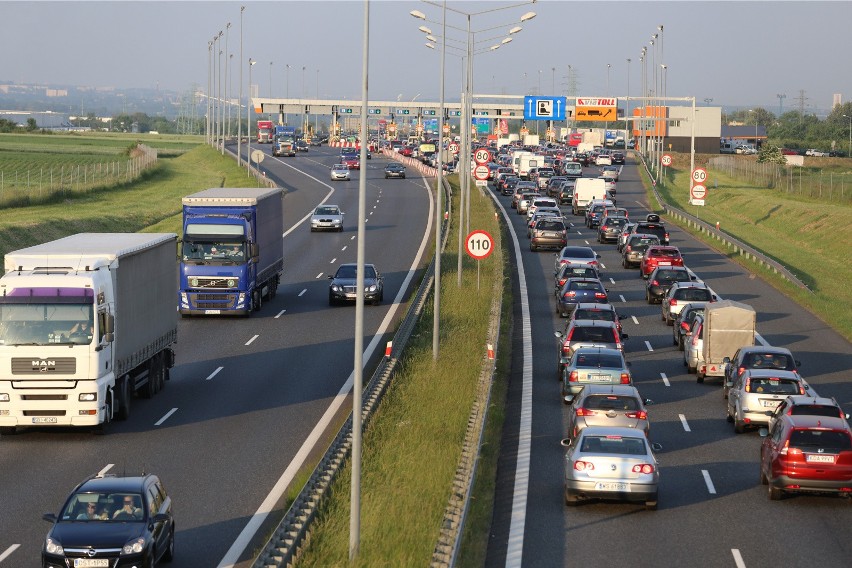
[(249, 398), (712, 509)]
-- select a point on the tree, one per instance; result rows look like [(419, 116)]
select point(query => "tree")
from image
[(31, 125), (771, 154)]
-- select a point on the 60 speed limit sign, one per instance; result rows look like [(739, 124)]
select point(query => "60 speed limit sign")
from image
[(479, 245)]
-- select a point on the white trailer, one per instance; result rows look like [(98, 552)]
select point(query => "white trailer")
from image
[(728, 325)]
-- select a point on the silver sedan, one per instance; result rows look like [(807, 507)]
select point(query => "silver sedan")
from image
[(327, 218)]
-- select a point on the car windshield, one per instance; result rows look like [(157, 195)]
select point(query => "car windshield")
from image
[(614, 445), (594, 314), (770, 361), (350, 271), (773, 386), (340, 167), (91, 506), (595, 334), (831, 441), (611, 402), (327, 211), (604, 360)]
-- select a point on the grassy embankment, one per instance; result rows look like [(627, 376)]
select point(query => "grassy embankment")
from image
[(804, 234)]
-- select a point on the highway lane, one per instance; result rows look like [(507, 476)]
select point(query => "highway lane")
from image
[(246, 393), (711, 503)]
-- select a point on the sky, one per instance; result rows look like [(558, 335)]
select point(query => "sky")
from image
[(739, 54)]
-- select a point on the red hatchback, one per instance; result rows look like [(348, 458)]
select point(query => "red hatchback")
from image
[(352, 162), (807, 454), (659, 256)]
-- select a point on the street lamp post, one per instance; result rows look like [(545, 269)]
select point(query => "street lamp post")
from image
[(221, 113), (627, 121), (239, 107), (208, 134), (225, 88), (287, 90), (249, 106), (850, 134), (606, 123)]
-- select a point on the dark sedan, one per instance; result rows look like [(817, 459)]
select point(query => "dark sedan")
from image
[(343, 284), (394, 170), (579, 290), (661, 279), (610, 228)]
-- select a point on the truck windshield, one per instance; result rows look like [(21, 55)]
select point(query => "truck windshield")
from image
[(203, 252), (45, 323)]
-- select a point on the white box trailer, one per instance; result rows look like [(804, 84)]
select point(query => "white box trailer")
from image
[(728, 325), (57, 371)]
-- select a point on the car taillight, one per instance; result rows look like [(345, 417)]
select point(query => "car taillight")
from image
[(740, 370), (625, 379), (628, 248), (801, 389), (695, 340), (570, 294), (667, 236), (600, 295), (594, 262), (643, 468), (573, 377), (639, 415), (672, 302), (585, 411), (580, 465), (562, 282)]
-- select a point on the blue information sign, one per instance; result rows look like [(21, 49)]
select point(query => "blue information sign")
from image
[(544, 108)]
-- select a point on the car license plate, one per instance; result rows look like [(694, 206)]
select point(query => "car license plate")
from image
[(612, 486), (44, 420), (90, 562), (771, 403), (819, 458), (664, 263), (212, 312), (597, 378)]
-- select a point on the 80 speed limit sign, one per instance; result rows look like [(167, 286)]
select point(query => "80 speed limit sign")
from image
[(699, 175), (482, 156), (479, 245)]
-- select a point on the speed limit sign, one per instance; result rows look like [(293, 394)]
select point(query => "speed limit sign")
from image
[(699, 175), (666, 160), (454, 148), (482, 156), (479, 245)]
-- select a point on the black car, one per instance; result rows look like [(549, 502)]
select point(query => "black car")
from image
[(566, 192), (610, 228), (394, 170), (653, 228), (661, 279), (579, 290), (301, 146), (112, 521), (343, 284)]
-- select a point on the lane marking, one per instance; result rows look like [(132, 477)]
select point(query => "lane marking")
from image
[(665, 379), (622, 298), (344, 248), (250, 341), (648, 345), (685, 424), (108, 467), (710, 487), (604, 267), (319, 276), (587, 242), (166, 417), (332, 261), (9, 551), (636, 321), (352, 238), (279, 314), (738, 558), (302, 293), (214, 373)]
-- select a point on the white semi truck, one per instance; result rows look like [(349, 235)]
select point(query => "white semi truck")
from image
[(86, 322)]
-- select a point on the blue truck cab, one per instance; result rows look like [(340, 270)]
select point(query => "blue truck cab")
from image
[(231, 253)]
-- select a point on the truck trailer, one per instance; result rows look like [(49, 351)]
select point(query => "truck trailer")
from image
[(728, 325), (232, 251), (86, 321)]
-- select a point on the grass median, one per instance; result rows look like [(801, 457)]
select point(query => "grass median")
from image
[(412, 445)]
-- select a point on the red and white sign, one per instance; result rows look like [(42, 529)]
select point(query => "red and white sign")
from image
[(666, 160), (698, 191), (504, 126), (596, 102), (480, 172), (479, 244), (699, 175), (454, 148), (482, 156)]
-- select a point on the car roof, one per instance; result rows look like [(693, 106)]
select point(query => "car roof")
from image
[(621, 390), (765, 349), (772, 374), (801, 399), (114, 483)]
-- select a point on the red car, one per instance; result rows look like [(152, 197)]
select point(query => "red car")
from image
[(658, 255), (407, 151), (352, 162), (807, 454)]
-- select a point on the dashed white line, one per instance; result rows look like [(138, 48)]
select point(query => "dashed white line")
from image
[(332, 261), (636, 321), (9, 551), (685, 424), (648, 345), (302, 293), (352, 238), (319, 275), (622, 298), (611, 279), (250, 341), (344, 248), (214, 373), (604, 267), (279, 314), (587, 242), (738, 558), (665, 379), (710, 487), (108, 467), (166, 417)]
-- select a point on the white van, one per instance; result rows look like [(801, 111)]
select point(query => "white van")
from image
[(585, 190), (528, 161)]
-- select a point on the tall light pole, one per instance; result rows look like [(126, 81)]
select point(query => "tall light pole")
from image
[(249, 108), (287, 90), (225, 88), (239, 106), (208, 133), (606, 123), (850, 134), (316, 116), (303, 89), (627, 121), (228, 95), (221, 112)]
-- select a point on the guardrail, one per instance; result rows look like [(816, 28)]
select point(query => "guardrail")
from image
[(731, 242), (285, 543)]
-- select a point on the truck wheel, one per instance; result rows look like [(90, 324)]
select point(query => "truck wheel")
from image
[(122, 411), (256, 301), (8, 430)]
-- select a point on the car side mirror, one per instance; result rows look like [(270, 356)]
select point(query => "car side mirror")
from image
[(568, 399), (657, 447), (49, 517), (729, 384), (330, 276), (764, 432), (558, 334), (647, 401), (625, 336), (726, 360), (566, 442)]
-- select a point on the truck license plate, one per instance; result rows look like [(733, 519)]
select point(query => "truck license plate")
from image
[(44, 420), (212, 312)]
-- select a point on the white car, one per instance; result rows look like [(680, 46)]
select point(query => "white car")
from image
[(816, 153), (327, 218), (603, 160), (340, 171)]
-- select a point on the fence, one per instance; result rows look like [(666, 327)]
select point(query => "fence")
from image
[(806, 182), (43, 184)]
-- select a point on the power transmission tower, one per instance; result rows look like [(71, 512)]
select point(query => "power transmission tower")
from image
[(187, 113), (781, 98), (801, 104)]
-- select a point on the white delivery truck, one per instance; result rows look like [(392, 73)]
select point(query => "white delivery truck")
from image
[(728, 325), (516, 159), (86, 321), (586, 189)]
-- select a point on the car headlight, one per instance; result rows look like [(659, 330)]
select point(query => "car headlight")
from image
[(335, 288), (88, 396), (53, 547), (134, 546), (372, 288), (4, 397)]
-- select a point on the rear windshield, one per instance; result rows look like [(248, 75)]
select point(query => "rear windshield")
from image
[(594, 334), (693, 295), (769, 361), (546, 225), (578, 252), (613, 445), (616, 221), (672, 275), (667, 253), (611, 402), (774, 386), (584, 285), (603, 360), (593, 314), (831, 441), (814, 410)]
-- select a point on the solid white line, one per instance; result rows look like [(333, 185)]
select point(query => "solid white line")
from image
[(166, 417), (515, 546), (324, 199), (636, 321), (214, 373), (302, 293), (738, 558), (279, 314), (648, 345), (685, 424), (710, 487), (250, 341), (665, 379), (622, 298), (270, 502), (9, 551), (319, 275), (108, 467)]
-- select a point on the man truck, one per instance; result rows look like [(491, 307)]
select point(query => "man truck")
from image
[(86, 321), (232, 252)]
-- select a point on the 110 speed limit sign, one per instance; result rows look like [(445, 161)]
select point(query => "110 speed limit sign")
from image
[(479, 245)]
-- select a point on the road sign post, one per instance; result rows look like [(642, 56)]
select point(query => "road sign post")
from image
[(699, 186), (482, 156), (479, 245)]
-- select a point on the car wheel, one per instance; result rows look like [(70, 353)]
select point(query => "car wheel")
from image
[(571, 500), (256, 301), (532, 247), (763, 478), (739, 427), (699, 378), (331, 301), (123, 396), (651, 505), (680, 345), (169, 554), (775, 493), (669, 321), (403, 177)]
